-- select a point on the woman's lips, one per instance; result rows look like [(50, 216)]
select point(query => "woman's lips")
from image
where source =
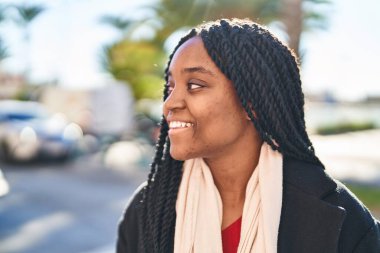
[(179, 124), (179, 127)]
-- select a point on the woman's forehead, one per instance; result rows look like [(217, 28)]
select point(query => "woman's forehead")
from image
[(192, 56)]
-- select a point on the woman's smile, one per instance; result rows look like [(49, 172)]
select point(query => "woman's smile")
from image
[(177, 127), (179, 124)]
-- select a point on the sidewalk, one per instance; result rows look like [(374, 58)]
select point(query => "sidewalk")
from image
[(351, 157)]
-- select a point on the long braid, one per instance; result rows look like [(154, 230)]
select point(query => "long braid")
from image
[(163, 179), (265, 75), (279, 111), (147, 198), (290, 72), (167, 240), (275, 98), (225, 46)]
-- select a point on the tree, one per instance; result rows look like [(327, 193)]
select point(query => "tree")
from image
[(119, 23), (299, 16), (169, 16), (3, 49), (139, 63), (26, 15), (2, 12), (172, 15)]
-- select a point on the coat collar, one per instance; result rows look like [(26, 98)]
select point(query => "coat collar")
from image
[(308, 177), (308, 223)]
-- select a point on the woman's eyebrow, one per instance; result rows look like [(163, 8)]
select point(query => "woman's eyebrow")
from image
[(198, 69)]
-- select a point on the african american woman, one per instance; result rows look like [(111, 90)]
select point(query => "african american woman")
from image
[(235, 170)]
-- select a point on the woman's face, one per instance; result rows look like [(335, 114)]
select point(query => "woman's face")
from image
[(203, 111)]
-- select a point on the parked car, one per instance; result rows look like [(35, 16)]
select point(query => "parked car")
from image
[(4, 186), (29, 132)]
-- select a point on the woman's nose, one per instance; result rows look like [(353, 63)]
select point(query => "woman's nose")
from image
[(175, 101)]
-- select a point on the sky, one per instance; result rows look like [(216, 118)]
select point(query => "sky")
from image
[(345, 58), (67, 38)]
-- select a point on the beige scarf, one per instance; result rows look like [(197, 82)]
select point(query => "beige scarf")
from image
[(199, 208)]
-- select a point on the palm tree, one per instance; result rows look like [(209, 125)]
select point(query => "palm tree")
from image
[(170, 16), (298, 16), (141, 63), (3, 51), (119, 23), (2, 11), (26, 15)]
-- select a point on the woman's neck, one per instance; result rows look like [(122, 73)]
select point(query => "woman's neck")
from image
[(232, 170)]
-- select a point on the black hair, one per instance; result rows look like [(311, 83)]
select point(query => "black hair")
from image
[(265, 75)]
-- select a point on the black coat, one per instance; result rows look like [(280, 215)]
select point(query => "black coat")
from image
[(319, 215)]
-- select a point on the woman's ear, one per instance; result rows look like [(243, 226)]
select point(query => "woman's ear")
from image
[(247, 116), (252, 111)]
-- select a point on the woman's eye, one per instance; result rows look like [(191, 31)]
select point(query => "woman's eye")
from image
[(169, 88), (193, 86)]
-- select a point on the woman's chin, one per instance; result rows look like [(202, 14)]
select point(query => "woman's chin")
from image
[(180, 155)]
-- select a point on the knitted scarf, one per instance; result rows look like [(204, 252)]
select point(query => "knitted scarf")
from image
[(199, 208)]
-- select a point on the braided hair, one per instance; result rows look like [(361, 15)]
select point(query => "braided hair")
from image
[(265, 75)]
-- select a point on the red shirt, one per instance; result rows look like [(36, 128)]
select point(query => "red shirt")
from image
[(231, 237)]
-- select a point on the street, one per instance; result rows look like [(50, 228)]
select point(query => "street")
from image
[(75, 207), (71, 207)]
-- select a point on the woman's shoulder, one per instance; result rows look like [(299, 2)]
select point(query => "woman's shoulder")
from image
[(325, 204), (128, 229), (134, 200), (360, 229), (313, 180)]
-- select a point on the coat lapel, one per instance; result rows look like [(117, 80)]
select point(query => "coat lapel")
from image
[(308, 224)]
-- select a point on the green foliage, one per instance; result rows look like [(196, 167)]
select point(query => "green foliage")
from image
[(315, 14), (2, 12), (27, 13), (140, 64), (345, 127), (125, 60), (119, 23), (176, 14), (3, 51)]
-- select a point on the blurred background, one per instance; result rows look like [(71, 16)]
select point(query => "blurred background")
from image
[(80, 99)]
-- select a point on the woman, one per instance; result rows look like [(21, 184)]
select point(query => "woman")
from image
[(234, 169)]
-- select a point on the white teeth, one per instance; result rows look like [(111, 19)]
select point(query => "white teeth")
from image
[(179, 124)]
